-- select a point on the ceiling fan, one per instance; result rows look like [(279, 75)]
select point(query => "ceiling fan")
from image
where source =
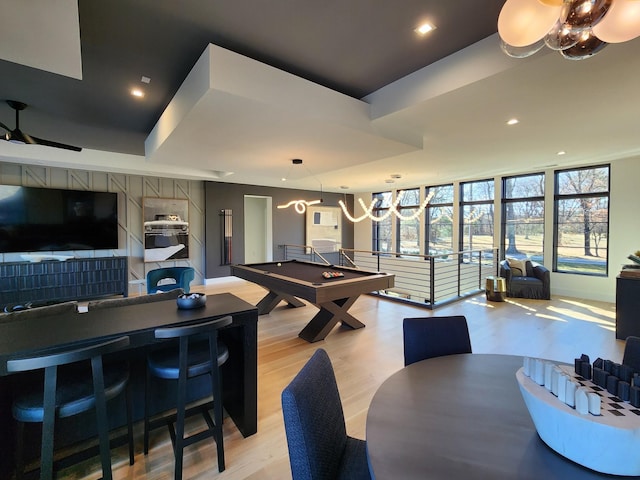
[(18, 136)]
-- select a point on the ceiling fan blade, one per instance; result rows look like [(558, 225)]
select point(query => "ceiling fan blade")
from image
[(49, 143), (5, 127), (17, 136)]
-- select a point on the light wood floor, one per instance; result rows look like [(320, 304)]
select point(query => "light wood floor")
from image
[(560, 329)]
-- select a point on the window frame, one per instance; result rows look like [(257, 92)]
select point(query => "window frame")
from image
[(506, 201), (557, 196)]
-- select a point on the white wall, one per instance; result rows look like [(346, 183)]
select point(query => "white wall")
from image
[(624, 231)]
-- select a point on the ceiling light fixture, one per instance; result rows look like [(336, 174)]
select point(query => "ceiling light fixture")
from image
[(136, 92), (578, 29), (393, 209), (301, 205), (424, 29), (513, 121)]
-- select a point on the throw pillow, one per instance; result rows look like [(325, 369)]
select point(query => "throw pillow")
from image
[(518, 268)]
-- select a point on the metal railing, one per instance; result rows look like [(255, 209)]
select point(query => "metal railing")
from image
[(304, 252), (429, 281)]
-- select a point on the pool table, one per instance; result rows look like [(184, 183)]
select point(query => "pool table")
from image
[(287, 280)]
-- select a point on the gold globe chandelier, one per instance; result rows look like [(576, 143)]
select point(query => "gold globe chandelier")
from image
[(578, 29)]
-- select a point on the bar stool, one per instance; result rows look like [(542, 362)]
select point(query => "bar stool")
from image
[(198, 346), (68, 391)]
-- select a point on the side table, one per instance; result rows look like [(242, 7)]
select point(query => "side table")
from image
[(496, 288)]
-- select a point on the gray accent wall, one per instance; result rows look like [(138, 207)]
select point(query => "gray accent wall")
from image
[(131, 189), (288, 226)]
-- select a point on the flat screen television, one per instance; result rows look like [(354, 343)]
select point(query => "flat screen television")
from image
[(48, 219)]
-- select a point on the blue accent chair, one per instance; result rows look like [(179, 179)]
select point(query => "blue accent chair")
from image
[(319, 447), (70, 389), (430, 337), (181, 276)]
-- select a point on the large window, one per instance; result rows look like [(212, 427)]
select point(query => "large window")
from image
[(476, 219), (523, 216), (408, 228), (382, 230), (439, 220), (581, 237)]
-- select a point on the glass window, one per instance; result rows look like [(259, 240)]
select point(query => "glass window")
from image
[(476, 219), (382, 230), (581, 236), (523, 217), (439, 220), (408, 228)]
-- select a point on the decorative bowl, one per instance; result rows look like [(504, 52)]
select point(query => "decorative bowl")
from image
[(607, 443), (188, 301)]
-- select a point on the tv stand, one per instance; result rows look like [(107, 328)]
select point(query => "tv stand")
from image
[(61, 281)]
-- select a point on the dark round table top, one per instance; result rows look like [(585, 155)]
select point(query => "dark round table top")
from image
[(460, 417)]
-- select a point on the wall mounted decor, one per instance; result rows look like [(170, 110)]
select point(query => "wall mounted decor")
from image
[(166, 229), (324, 229)]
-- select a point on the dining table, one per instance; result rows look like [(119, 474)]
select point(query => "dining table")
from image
[(460, 417), (25, 337)]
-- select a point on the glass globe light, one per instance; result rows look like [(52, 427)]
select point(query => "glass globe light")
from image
[(561, 37), (587, 47), (621, 23), (523, 22)]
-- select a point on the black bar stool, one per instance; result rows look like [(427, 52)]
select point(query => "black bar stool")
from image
[(68, 391), (199, 352)]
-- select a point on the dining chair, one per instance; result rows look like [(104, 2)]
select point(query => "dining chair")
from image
[(631, 356), (70, 388), (121, 302), (178, 277), (198, 352), (428, 337), (319, 447)]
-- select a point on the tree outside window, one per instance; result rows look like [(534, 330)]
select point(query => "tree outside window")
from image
[(439, 220), (523, 216), (381, 233), (476, 220), (581, 237), (408, 230)]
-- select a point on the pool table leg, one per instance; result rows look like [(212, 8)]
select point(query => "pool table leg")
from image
[(273, 298), (329, 315)]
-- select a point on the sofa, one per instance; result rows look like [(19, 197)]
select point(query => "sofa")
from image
[(526, 279)]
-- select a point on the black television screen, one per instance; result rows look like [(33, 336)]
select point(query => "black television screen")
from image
[(47, 219)]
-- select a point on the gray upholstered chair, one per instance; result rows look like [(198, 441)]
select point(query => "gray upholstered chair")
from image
[(534, 281), (319, 447), (120, 302), (429, 337)]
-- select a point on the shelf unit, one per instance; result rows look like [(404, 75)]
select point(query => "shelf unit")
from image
[(60, 281)]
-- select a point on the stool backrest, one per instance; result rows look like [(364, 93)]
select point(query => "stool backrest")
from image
[(66, 356)]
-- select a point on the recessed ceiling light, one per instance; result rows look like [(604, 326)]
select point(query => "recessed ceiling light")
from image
[(513, 121), (145, 79), (424, 29), (136, 92), (344, 187), (561, 152), (396, 176), (389, 180)]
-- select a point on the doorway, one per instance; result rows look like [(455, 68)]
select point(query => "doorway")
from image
[(258, 234)]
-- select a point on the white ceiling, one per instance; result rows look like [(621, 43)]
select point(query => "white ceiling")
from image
[(238, 120)]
